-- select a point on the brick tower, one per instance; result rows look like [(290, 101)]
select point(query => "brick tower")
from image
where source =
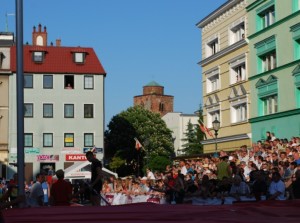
[(39, 38), (153, 99)]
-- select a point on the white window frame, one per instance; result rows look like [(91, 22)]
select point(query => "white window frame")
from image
[(267, 17), (212, 81), (212, 114), (79, 57), (269, 61), (239, 111), (212, 46), (238, 71), (237, 31), (270, 104)]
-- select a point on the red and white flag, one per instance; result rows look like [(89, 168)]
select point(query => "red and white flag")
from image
[(138, 145), (204, 129)]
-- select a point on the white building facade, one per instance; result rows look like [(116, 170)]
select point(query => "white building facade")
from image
[(63, 106), (178, 123)]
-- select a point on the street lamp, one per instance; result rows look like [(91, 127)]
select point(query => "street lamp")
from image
[(216, 127)]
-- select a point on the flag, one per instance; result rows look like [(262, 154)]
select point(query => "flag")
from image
[(138, 145), (204, 129)]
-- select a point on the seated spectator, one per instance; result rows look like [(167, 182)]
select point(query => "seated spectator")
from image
[(296, 185), (239, 188), (259, 186), (276, 188)]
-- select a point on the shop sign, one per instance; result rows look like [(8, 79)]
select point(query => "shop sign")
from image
[(94, 149), (47, 158), (32, 150), (76, 157), (71, 150)]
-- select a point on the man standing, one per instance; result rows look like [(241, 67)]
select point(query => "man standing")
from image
[(36, 197), (61, 190), (96, 179)]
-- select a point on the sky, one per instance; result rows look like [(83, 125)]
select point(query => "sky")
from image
[(137, 41)]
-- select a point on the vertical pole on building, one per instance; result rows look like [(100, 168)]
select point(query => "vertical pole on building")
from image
[(20, 97)]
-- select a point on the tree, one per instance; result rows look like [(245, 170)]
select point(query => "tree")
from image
[(194, 136), (192, 145), (148, 128)]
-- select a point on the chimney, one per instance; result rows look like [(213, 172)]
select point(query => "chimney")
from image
[(58, 42)]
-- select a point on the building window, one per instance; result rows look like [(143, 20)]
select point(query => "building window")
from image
[(296, 5), (38, 57), (212, 81), (268, 95), (79, 57), (48, 140), (48, 81), (28, 110), (211, 116), (296, 74), (295, 29), (270, 105), (69, 81), (69, 110), (266, 54), (237, 70), (1, 59), (28, 140), (69, 140), (28, 81), (88, 111), (239, 112), (88, 82), (268, 61), (161, 107), (266, 17), (88, 140), (212, 47), (237, 32), (48, 110)]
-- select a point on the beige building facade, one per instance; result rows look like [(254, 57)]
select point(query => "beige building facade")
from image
[(225, 85), (6, 40)]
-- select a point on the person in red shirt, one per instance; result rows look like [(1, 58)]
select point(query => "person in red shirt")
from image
[(61, 191)]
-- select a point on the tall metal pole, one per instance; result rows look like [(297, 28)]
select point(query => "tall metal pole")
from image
[(20, 97)]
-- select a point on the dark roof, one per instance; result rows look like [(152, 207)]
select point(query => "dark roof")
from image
[(58, 60)]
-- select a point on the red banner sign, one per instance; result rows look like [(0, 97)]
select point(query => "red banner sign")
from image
[(75, 157)]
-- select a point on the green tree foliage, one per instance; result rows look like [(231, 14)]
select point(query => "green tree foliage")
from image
[(148, 128), (193, 137)]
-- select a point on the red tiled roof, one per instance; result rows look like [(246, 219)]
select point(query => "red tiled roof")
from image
[(58, 60)]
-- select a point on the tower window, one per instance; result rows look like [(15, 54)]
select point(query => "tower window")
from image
[(161, 107)]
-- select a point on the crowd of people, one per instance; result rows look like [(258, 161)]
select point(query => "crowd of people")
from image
[(268, 170)]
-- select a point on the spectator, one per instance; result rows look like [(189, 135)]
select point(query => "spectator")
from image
[(296, 185), (61, 191), (36, 196), (277, 187), (239, 188)]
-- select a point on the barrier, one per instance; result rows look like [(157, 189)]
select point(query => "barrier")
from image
[(119, 199)]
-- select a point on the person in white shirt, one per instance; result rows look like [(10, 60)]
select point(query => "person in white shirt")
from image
[(150, 175), (183, 169)]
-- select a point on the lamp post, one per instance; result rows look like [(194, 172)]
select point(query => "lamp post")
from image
[(216, 127)]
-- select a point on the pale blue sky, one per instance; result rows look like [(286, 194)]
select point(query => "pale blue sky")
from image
[(137, 41)]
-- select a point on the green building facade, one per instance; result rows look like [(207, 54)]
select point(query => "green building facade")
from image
[(274, 67)]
